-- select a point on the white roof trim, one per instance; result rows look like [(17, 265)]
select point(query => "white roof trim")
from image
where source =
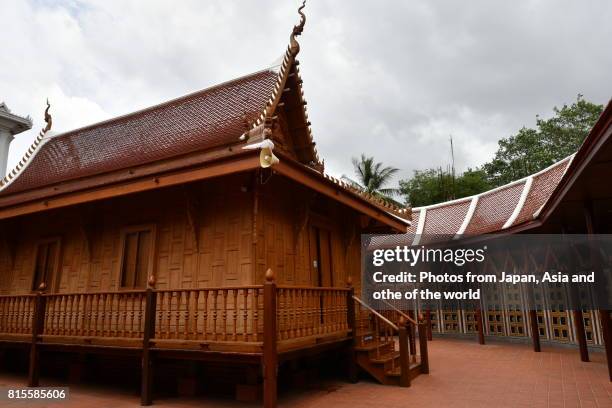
[(468, 217), (571, 158), (520, 204), (512, 183), (420, 226), (27, 158)]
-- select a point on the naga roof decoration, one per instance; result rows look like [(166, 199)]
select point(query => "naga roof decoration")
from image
[(241, 111)]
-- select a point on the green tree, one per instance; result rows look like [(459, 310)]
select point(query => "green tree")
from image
[(373, 177), (433, 186), (531, 150)]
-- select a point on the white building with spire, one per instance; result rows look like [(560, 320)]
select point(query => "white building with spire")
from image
[(10, 125)]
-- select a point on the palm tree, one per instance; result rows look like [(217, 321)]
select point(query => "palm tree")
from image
[(372, 177)]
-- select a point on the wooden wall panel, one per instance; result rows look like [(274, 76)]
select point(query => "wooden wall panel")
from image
[(206, 236)]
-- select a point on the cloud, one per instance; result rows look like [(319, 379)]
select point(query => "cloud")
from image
[(392, 79)]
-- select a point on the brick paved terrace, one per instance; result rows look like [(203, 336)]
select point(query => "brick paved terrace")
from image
[(463, 374)]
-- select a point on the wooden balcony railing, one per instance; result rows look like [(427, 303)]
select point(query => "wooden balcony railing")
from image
[(220, 314), (106, 314), (210, 314), (310, 311), (16, 313), (266, 319)]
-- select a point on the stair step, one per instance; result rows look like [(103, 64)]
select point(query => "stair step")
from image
[(373, 345), (385, 358), (397, 371)]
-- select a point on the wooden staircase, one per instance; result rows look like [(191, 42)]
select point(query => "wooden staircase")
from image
[(386, 350)]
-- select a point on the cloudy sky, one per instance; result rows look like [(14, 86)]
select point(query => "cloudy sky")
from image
[(390, 78)]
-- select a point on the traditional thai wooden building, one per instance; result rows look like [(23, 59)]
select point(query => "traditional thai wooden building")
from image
[(150, 235), (572, 196)]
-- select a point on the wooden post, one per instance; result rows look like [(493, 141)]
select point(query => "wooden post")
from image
[(38, 322), (350, 318), (604, 315), (412, 336), (270, 352), (535, 330), (428, 321), (146, 390), (479, 325), (580, 333), (423, 348), (404, 353), (606, 328)]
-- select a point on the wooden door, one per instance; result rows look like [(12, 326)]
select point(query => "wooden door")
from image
[(321, 256)]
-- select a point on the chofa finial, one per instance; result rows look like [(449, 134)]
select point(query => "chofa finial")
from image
[(48, 118), (294, 46)]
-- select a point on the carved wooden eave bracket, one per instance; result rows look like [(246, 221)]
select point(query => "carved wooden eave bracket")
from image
[(192, 204), (87, 227), (302, 217)]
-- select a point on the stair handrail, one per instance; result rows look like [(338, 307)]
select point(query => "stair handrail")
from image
[(405, 315), (381, 317)]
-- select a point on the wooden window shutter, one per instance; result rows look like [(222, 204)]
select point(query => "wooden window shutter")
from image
[(137, 246)]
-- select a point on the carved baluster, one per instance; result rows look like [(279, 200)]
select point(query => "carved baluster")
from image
[(74, 315), (10, 314), (328, 309), (103, 313), (160, 314), (286, 313), (130, 304), (121, 314), (224, 311), (177, 314), (63, 307), (377, 335), (328, 304), (169, 315), (214, 313), (116, 312), (302, 316), (141, 307), (245, 313), (205, 315), (255, 314), (308, 314), (291, 312), (186, 317), (196, 314), (18, 313), (87, 299), (83, 321), (93, 322), (235, 314), (3, 315), (50, 326)]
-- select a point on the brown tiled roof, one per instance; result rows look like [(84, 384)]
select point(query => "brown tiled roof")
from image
[(198, 121), (491, 211)]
